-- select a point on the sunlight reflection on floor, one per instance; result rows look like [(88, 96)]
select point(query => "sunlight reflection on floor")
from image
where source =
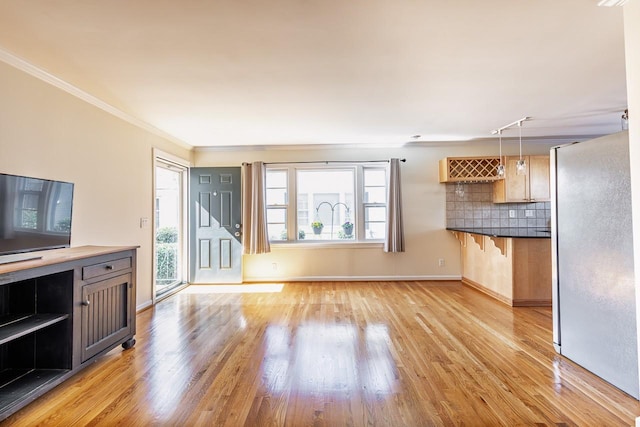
[(251, 288), (315, 358)]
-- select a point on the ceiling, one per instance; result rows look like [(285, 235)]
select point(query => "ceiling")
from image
[(374, 72)]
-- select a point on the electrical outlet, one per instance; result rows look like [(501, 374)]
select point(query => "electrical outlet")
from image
[(529, 213), (274, 265), (144, 222), (441, 262), (512, 213)]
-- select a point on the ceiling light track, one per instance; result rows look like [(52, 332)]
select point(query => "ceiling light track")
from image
[(512, 124)]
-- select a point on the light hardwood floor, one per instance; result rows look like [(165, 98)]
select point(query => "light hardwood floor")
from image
[(336, 354)]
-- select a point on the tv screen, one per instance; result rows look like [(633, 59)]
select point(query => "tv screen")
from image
[(35, 214)]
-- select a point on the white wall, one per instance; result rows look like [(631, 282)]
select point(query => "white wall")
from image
[(48, 133), (424, 215)]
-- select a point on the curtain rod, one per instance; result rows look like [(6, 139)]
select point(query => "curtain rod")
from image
[(326, 162)]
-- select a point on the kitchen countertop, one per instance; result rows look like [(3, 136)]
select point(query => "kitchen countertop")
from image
[(518, 232)]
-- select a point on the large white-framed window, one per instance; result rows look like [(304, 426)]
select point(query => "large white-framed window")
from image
[(343, 203)]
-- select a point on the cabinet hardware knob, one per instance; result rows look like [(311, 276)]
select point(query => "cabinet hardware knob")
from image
[(109, 267), (86, 303)]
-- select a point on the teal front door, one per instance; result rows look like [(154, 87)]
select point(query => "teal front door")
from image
[(215, 228)]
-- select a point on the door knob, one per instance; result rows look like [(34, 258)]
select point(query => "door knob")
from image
[(238, 226), (237, 234)]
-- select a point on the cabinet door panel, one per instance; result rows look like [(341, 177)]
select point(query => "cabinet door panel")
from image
[(516, 185), (539, 178), (105, 314)]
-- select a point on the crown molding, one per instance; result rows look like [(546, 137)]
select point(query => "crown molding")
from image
[(297, 147), (555, 139), (25, 66)]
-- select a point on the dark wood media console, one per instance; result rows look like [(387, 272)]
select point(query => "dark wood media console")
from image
[(58, 313)]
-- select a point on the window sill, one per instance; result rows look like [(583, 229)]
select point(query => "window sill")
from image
[(327, 245)]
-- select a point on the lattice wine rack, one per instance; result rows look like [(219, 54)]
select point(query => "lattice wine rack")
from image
[(468, 169)]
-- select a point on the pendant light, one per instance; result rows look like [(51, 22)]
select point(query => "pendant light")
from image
[(500, 168), (625, 120), (521, 166)]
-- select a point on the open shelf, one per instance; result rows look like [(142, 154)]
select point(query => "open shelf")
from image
[(17, 385), (469, 169), (16, 326)]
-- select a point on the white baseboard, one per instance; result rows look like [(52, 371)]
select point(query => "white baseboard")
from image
[(144, 305), (351, 278)]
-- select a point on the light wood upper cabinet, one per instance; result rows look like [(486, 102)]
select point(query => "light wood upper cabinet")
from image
[(532, 186)]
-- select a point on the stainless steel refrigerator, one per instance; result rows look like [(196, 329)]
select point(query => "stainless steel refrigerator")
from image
[(594, 309)]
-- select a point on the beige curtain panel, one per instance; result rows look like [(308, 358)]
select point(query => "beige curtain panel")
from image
[(394, 236), (255, 237)]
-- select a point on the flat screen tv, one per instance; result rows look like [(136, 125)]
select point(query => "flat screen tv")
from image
[(35, 214)]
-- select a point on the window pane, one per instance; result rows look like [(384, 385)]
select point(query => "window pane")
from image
[(375, 177), (276, 178), (277, 232), (375, 213), (276, 215), (375, 220), (29, 211), (374, 230), (29, 219), (276, 184), (325, 198), (33, 184), (276, 223), (375, 195), (30, 201), (303, 211), (276, 196)]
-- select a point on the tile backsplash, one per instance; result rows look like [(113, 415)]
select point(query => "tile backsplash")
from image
[(475, 208)]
